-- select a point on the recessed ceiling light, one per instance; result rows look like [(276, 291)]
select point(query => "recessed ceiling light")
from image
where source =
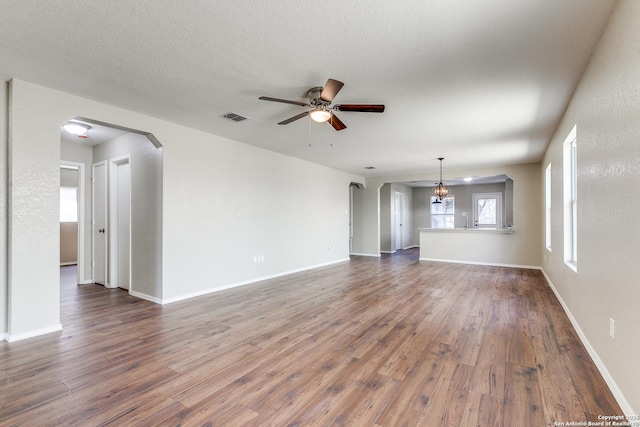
[(467, 179), (77, 129)]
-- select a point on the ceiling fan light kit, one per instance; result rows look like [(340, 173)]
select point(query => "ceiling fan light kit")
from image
[(320, 114), (320, 99)]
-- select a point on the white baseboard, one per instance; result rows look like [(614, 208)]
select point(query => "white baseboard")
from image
[(491, 264), (387, 252), (359, 254), (246, 282), (23, 336), (145, 297), (615, 390)]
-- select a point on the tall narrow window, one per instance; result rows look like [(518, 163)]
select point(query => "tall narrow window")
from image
[(547, 207), (570, 175), (68, 204)]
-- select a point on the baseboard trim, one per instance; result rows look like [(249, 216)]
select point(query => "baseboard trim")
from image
[(31, 334), (247, 282), (145, 297), (615, 390), (490, 264), (359, 254)]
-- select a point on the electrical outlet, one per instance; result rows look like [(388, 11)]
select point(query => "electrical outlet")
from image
[(612, 328)]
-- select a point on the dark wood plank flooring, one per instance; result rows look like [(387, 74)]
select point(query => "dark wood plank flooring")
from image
[(370, 342)]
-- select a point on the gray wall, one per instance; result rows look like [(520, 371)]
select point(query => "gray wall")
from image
[(606, 110), (463, 203)]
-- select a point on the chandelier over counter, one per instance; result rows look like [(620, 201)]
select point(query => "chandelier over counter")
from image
[(441, 189)]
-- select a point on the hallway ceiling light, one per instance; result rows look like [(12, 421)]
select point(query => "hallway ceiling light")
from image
[(441, 189), (77, 129)]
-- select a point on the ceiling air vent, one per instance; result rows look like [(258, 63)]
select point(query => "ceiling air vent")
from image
[(234, 116)]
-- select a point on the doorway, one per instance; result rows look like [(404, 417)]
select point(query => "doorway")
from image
[(99, 224), (112, 223), (119, 259), (72, 216), (399, 221)]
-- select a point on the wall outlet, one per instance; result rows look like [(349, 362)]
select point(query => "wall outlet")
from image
[(612, 328)]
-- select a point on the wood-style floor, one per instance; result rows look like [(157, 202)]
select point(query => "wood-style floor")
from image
[(370, 342)]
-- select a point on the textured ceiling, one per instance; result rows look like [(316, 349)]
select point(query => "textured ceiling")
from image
[(481, 82)]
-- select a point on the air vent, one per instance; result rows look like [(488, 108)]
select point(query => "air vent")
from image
[(235, 117)]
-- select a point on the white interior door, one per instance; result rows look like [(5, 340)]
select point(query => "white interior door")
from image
[(99, 223), (487, 210), (120, 222), (399, 221)]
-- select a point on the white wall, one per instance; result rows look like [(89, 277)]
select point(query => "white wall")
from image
[(606, 110), (4, 188), (146, 209), (231, 202), (224, 202), (33, 226)]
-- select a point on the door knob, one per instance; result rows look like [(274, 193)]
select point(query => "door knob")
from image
[(101, 230)]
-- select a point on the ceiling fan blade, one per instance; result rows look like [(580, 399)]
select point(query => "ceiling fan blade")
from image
[(336, 122), (285, 101), (331, 89), (363, 108), (294, 118)]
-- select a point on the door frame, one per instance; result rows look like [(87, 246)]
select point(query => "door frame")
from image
[(399, 221), (112, 220), (81, 198), (93, 221)]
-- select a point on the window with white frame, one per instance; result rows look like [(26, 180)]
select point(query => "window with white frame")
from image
[(570, 184), (68, 204), (547, 207), (442, 213)]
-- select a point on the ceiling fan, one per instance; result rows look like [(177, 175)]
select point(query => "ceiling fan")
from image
[(320, 99)]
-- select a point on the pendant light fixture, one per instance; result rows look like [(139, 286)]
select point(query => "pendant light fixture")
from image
[(441, 189)]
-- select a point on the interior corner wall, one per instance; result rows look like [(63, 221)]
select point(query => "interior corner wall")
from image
[(605, 109), (4, 144)]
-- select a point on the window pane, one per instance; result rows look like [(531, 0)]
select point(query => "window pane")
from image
[(68, 204), (442, 214), (487, 211)]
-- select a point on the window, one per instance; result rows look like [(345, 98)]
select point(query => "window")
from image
[(547, 207), (68, 204), (570, 184), (442, 214), (487, 210)]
